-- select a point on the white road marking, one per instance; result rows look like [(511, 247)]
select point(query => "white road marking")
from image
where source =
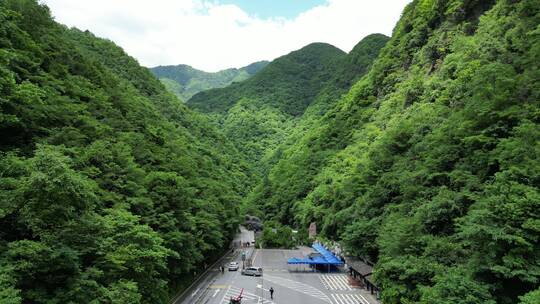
[(216, 292), (337, 300), (255, 256), (298, 287), (348, 298), (261, 287), (247, 296), (364, 299), (225, 295), (353, 298), (335, 281)]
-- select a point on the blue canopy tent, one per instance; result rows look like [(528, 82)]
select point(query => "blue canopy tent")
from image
[(308, 261), (295, 261), (326, 258)]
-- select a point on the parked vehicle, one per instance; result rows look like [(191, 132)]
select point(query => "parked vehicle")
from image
[(233, 266), (253, 271)]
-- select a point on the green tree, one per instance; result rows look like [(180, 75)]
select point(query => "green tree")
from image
[(531, 297), (8, 293), (456, 286)]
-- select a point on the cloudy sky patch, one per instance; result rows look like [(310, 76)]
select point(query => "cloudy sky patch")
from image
[(212, 35)]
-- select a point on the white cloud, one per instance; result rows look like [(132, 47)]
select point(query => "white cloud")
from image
[(211, 37)]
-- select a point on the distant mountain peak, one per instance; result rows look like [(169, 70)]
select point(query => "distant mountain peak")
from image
[(291, 82), (185, 81)]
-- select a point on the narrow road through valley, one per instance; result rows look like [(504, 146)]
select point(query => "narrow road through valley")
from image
[(298, 287)]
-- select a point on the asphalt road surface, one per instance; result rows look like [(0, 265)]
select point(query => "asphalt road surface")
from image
[(291, 285)]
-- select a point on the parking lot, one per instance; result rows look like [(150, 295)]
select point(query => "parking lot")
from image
[(291, 284)]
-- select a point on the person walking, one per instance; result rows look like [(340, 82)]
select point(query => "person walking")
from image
[(271, 293)]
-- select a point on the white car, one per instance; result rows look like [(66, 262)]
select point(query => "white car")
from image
[(233, 266), (252, 271)]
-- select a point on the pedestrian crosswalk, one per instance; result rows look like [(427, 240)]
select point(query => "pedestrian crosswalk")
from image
[(348, 298), (299, 287), (247, 297), (335, 281), (333, 296)]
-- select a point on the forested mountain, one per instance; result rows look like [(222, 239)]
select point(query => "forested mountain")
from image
[(430, 164), (420, 153), (111, 190), (259, 114), (185, 81)]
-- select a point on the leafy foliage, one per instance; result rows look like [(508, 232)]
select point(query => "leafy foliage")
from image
[(531, 297), (279, 103), (429, 164), (275, 235), (289, 83), (111, 190)]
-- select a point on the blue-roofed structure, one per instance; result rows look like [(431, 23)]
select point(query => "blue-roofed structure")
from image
[(308, 261), (325, 257), (295, 261)]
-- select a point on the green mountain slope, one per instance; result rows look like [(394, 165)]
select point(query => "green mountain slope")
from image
[(111, 190), (259, 114), (429, 166), (185, 81), (289, 83)]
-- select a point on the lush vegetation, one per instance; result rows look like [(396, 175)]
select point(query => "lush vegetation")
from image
[(185, 81), (111, 190), (275, 235), (430, 165), (423, 157), (289, 83), (260, 114)]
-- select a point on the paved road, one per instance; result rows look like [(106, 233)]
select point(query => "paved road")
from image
[(199, 291), (290, 286)]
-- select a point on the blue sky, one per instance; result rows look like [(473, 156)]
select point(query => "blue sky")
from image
[(212, 35), (274, 8)]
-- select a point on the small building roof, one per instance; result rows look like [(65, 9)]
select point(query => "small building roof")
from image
[(327, 255), (359, 265), (322, 257)]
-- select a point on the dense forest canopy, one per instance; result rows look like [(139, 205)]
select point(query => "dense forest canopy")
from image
[(419, 152), (185, 81), (111, 190), (262, 113), (289, 83), (430, 164)]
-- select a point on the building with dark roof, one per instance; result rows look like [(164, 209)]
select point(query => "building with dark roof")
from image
[(362, 271)]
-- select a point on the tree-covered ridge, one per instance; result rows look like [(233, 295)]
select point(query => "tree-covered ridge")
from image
[(288, 83), (185, 81), (111, 190), (259, 114), (429, 166)]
